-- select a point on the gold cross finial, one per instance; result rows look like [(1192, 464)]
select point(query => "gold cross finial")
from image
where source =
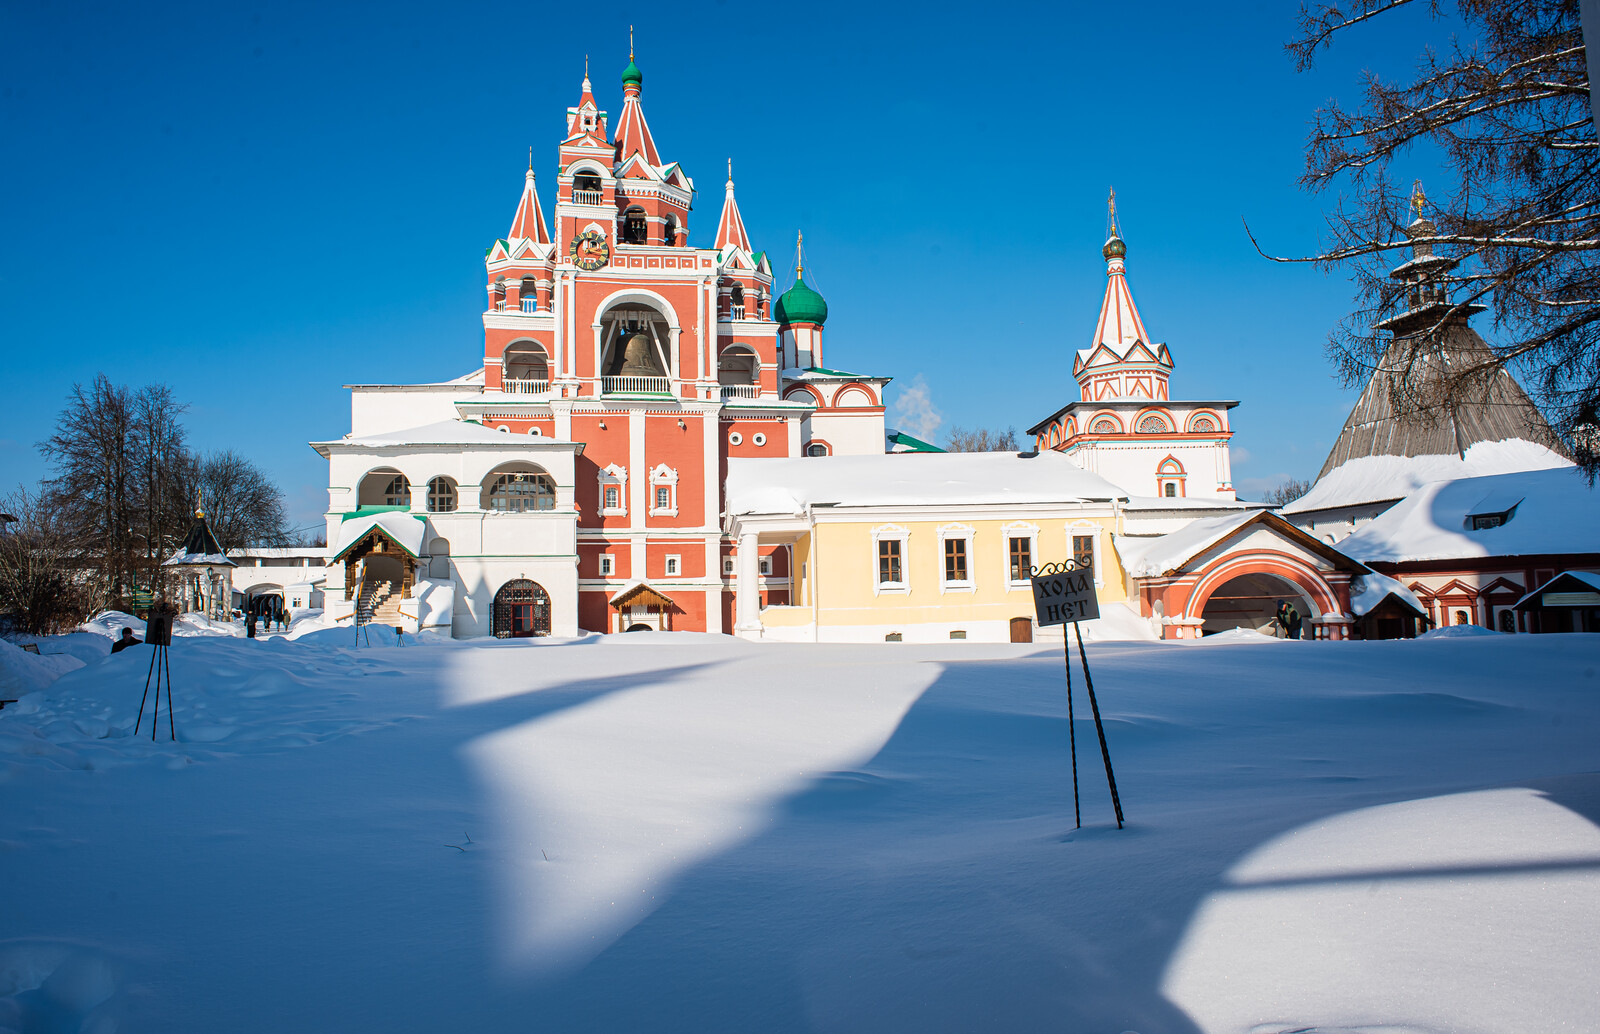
[(199, 510), (630, 43), (730, 169), (586, 67), (1418, 199), (530, 158), (799, 268), (1111, 214)]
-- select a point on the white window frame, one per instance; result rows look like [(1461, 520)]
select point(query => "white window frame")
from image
[(895, 533), (958, 533), (1082, 527), (1018, 530), (673, 565), (758, 439), (728, 567), (764, 566), (618, 476), (607, 565), (664, 477)]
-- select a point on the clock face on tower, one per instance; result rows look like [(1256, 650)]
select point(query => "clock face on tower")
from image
[(589, 250)]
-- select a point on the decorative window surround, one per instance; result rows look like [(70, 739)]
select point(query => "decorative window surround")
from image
[(891, 533), (1019, 530), (663, 477), (607, 565), (956, 533), (674, 565), (1093, 530), (616, 477)]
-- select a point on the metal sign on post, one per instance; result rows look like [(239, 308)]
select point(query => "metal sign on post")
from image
[(1064, 594)]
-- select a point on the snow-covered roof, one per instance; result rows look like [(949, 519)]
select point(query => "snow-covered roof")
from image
[(1581, 577), (818, 373), (1373, 479), (445, 432), (405, 529), (1369, 590), (1152, 558), (1155, 557), (1559, 513), (201, 548), (1166, 502), (791, 486)]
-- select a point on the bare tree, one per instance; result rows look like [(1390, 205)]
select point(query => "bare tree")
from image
[(242, 504), (981, 439), (95, 475), (48, 581), (1509, 115), (1287, 492)]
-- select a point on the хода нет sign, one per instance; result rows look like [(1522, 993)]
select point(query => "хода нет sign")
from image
[(1061, 598)]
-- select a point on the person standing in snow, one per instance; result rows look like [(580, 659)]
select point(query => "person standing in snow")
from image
[(1282, 620), (126, 641)]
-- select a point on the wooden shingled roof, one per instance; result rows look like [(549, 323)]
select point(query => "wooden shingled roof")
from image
[(1392, 419)]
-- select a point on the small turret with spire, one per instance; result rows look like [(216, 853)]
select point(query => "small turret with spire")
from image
[(1423, 276)]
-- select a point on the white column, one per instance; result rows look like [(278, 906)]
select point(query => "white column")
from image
[(746, 591), (558, 343), (638, 492)]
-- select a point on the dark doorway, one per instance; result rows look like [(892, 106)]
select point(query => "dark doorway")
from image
[(521, 609)]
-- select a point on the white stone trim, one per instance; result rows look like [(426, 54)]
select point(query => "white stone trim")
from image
[(614, 475), (1018, 530), (666, 477)]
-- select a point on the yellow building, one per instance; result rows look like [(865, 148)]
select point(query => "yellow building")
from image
[(916, 547)]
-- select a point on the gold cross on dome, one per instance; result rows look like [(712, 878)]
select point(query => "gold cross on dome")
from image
[(1111, 214), (1418, 199)]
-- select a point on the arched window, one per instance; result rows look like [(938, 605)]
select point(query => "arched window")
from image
[(738, 365), (1203, 425), (525, 367), (1154, 423), (442, 495), (530, 294), (1171, 490), (520, 491), (635, 228), (397, 492), (671, 231), (816, 449), (586, 188), (736, 298), (1105, 425)]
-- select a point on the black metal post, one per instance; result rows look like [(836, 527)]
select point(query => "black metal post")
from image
[(1105, 753), (166, 662), (1072, 731), (146, 695), (155, 716)]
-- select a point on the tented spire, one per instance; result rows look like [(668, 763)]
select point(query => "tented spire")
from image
[(633, 133), (731, 229), (529, 221), (1120, 325)]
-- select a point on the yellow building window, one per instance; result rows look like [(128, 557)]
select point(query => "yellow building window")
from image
[(1021, 559), (955, 560), (889, 562)]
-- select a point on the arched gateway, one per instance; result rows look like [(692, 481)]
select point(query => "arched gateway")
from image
[(521, 609)]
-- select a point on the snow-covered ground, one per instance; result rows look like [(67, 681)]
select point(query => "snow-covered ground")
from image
[(679, 832)]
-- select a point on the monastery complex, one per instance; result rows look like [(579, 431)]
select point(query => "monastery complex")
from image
[(655, 437)]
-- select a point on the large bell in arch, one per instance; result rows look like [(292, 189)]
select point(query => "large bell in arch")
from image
[(639, 357)]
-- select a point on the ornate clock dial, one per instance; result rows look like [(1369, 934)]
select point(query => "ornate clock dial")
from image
[(589, 250)]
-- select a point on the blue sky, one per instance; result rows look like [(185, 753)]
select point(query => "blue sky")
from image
[(257, 206)]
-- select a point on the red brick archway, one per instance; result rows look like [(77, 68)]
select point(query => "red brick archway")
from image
[(1291, 569)]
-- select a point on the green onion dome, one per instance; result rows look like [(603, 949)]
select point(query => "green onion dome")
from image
[(800, 304), (1114, 248), (631, 74)]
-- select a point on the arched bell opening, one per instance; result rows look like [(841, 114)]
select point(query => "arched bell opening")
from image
[(1251, 601), (521, 609), (635, 227), (525, 367), (636, 342), (738, 365)]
